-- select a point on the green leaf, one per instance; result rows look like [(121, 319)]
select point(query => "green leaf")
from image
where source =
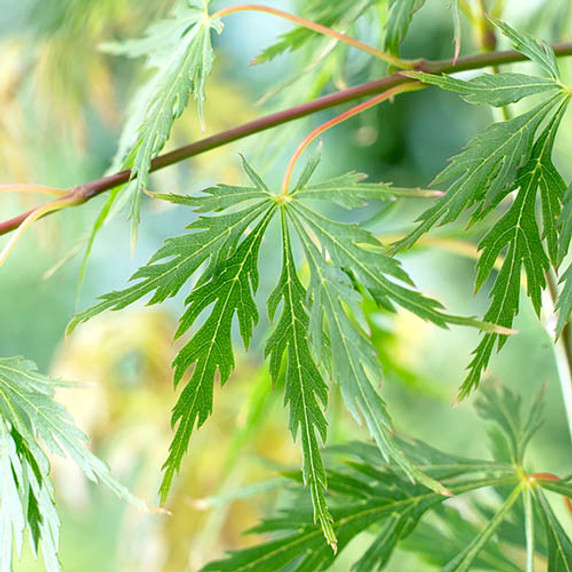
[(504, 408), (497, 90), (173, 265), (350, 192), (368, 497), (226, 253), (518, 232), (438, 542), (231, 291), (562, 486), (179, 52), (354, 363), (559, 543), (400, 15), (305, 389), (352, 247), (564, 302), (485, 171), (538, 52), (324, 12), (31, 423), (465, 559)]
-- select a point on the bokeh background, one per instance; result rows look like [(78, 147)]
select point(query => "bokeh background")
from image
[(63, 102)]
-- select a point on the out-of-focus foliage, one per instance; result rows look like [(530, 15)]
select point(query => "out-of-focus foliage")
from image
[(370, 496)]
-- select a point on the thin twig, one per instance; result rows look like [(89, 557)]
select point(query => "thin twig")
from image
[(84, 193)]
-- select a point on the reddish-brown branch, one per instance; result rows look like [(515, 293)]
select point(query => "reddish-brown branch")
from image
[(84, 193)]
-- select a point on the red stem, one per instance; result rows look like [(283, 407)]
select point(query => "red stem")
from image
[(84, 193)]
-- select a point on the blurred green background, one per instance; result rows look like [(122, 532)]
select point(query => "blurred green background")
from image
[(63, 103)]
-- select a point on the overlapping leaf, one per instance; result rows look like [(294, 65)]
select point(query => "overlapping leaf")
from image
[(518, 231), (370, 496), (354, 363), (31, 422), (352, 247), (497, 90)]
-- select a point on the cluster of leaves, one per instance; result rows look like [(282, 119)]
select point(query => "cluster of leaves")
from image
[(179, 53), (510, 156), (368, 496), (29, 417), (346, 262)]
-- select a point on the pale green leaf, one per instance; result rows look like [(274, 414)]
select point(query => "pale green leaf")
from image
[(31, 424), (179, 52), (497, 90), (537, 51)]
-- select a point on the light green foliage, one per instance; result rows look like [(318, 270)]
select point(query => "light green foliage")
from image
[(324, 12), (179, 53), (371, 496), (32, 424), (496, 90), (515, 155)]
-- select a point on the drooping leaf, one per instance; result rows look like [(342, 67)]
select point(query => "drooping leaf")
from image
[(226, 253), (354, 362), (305, 389), (32, 423), (485, 171), (231, 291), (355, 249), (179, 52), (518, 232)]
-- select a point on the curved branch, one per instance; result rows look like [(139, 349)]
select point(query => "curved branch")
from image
[(84, 193)]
